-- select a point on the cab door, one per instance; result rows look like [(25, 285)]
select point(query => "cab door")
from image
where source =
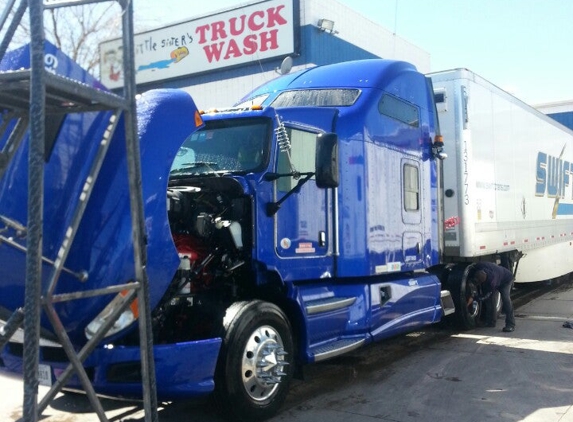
[(303, 226)]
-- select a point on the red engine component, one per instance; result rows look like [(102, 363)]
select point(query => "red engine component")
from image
[(190, 246)]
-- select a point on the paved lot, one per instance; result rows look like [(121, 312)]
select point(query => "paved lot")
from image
[(433, 375)]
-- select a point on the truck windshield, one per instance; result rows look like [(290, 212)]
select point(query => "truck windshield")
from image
[(224, 146), (317, 98)]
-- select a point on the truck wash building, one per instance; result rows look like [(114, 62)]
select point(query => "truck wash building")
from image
[(562, 111), (220, 57)]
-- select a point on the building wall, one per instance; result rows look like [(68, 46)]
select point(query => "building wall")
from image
[(355, 32), (561, 111), (356, 37), (565, 118)]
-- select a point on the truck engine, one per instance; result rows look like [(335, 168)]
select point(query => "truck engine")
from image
[(210, 225)]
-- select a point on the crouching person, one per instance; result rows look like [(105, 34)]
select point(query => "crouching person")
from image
[(491, 277)]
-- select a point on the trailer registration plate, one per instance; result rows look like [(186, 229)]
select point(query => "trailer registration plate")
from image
[(44, 375)]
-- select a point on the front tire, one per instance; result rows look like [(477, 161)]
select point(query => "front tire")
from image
[(256, 361)]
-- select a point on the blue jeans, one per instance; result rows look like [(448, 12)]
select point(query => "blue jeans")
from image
[(507, 305)]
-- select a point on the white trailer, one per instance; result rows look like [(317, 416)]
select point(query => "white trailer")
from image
[(507, 181)]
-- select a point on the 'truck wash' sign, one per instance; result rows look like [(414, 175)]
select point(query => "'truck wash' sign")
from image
[(256, 32)]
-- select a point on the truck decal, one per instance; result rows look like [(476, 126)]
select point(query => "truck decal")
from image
[(391, 267), (451, 222), (553, 180), (305, 247), (493, 186), (552, 176)]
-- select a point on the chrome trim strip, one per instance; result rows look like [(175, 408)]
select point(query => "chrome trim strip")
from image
[(329, 306)]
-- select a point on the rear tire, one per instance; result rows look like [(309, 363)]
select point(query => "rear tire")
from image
[(256, 361), (462, 289)]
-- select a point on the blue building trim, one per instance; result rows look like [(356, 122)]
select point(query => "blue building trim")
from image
[(324, 48), (565, 118)]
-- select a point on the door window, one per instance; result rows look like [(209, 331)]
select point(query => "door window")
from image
[(303, 147)]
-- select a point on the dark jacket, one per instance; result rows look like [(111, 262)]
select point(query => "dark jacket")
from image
[(496, 278)]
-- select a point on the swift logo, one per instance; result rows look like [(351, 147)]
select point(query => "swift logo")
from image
[(553, 176), (554, 180)]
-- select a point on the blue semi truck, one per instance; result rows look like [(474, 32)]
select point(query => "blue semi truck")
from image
[(305, 222)]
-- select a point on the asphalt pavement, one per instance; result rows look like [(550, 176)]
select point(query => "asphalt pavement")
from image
[(438, 374), (473, 376)]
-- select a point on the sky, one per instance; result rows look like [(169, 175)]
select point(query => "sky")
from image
[(522, 46)]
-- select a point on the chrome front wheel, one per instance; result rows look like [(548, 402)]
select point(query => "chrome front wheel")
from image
[(264, 363), (256, 361)]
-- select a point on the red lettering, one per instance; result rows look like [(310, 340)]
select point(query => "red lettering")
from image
[(253, 26), (213, 51), (201, 30), (275, 17), (229, 48), (233, 26), (250, 43), (218, 31), (269, 40), (254, 22), (233, 50)]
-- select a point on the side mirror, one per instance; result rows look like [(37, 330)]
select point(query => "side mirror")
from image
[(326, 160)]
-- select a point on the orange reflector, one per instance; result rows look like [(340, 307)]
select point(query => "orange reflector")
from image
[(257, 107), (135, 308), (438, 140), (133, 305), (198, 119)]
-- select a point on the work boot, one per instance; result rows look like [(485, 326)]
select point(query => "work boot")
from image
[(508, 329)]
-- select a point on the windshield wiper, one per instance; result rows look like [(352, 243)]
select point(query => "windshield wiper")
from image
[(187, 166)]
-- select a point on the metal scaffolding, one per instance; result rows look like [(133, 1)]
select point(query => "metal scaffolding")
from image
[(26, 94)]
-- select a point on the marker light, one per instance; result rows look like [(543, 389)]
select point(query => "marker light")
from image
[(128, 317), (198, 119)]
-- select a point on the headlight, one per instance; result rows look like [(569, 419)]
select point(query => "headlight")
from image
[(126, 318)]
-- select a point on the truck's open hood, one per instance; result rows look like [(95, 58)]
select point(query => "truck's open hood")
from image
[(103, 246)]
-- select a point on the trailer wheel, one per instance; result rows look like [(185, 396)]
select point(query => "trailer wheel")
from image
[(462, 289), (256, 361)]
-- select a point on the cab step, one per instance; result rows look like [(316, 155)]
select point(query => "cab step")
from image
[(337, 347)]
